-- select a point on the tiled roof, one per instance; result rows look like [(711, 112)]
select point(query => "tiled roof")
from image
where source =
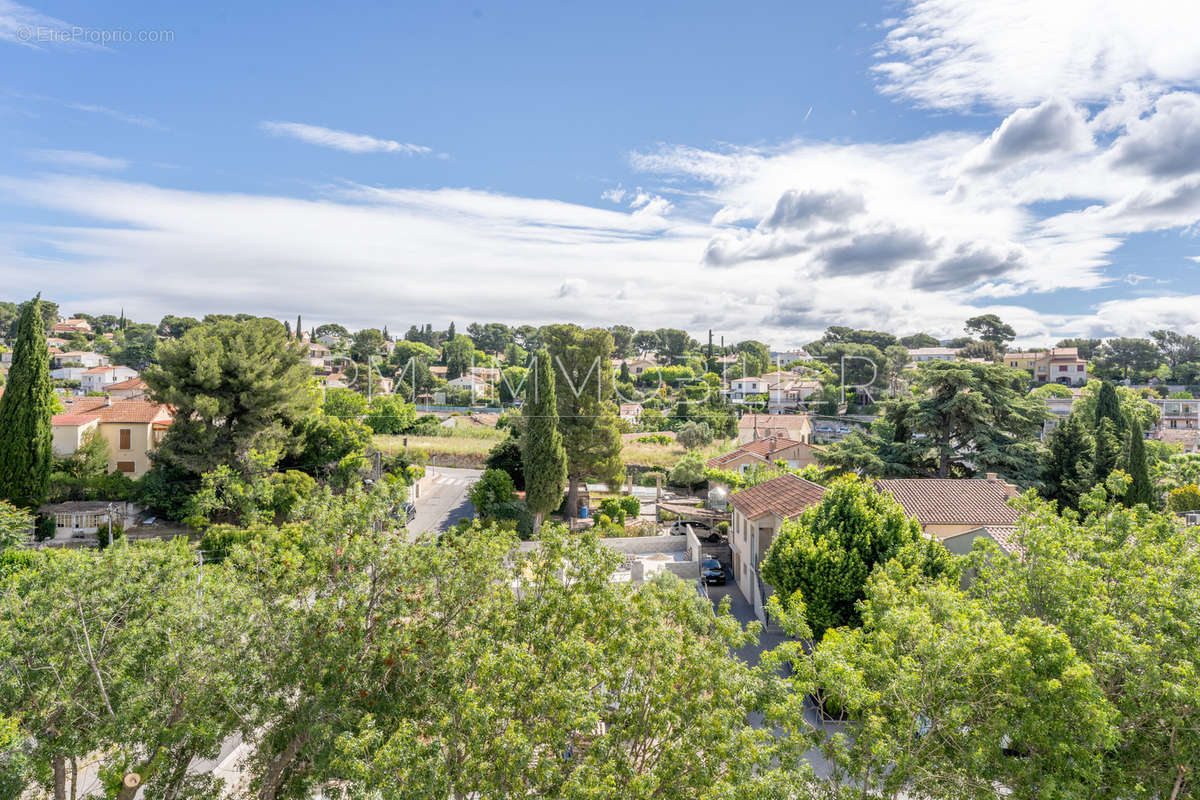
[(98, 370), (128, 383), (1005, 536), (132, 411), (950, 501), (786, 495), (789, 421), (763, 448)]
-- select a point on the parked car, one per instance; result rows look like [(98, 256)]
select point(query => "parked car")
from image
[(712, 572), (679, 527)]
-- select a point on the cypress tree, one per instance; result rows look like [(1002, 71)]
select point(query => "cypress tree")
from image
[(1067, 471), (1141, 490), (542, 446), (1108, 451), (299, 329), (287, 328), (1108, 406), (26, 453)]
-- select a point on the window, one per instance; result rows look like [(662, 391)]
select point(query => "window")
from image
[(125, 466), (1062, 368), (1079, 368), (125, 439), (64, 520)]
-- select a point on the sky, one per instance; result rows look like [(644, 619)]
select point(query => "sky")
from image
[(761, 169)]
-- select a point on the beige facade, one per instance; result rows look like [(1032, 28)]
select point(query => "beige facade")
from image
[(131, 428)]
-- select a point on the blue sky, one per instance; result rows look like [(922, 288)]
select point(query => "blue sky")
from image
[(764, 170)]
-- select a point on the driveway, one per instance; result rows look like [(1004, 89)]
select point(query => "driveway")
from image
[(743, 612), (445, 502)]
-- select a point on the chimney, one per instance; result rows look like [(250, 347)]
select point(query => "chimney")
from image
[(992, 477), (108, 399)]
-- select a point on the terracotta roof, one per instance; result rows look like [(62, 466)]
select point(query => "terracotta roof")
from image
[(98, 370), (1005, 536), (949, 501), (72, 420), (786, 495), (763, 448), (128, 383), (791, 421), (132, 411)]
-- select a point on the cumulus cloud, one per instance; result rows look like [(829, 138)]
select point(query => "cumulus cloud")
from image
[(1165, 144), (880, 251), (1054, 127), (797, 209), (341, 140), (967, 265)]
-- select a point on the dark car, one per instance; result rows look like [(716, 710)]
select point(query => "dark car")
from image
[(712, 572), (410, 511), (679, 527)]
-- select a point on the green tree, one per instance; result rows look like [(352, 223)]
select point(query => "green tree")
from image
[(1184, 499), (586, 413), (1108, 452), (390, 414), (493, 489), (1141, 490), (367, 344), (1128, 358), (990, 328), (1067, 470), (26, 455), (458, 354), (1108, 406), (823, 557), (688, 471), (919, 340), (693, 435), (947, 700), (542, 451), (235, 387), (15, 526)]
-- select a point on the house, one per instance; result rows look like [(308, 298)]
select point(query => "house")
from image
[(489, 374), (318, 350), (70, 326), (132, 429), (1060, 409), (78, 357), (1056, 365), (636, 365), (956, 511), (336, 380), (98, 379), (475, 384), (797, 427), (1177, 414), (919, 355), (68, 373), (631, 413), (764, 453), (751, 386), (756, 515), (55, 342), (438, 372), (83, 519), (786, 391), (789, 356), (132, 389)]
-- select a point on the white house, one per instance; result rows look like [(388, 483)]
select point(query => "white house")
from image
[(97, 379), (741, 388), (85, 357), (68, 373), (921, 354)]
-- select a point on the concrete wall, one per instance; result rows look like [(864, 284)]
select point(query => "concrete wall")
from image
[(67, 438)]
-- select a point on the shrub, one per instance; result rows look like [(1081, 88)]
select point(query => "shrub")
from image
[(656, 438), (694, 434), (688, 472)]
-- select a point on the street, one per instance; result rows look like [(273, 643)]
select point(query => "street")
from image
[(445, 501)]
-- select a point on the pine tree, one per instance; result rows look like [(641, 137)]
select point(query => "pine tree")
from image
[(26, 453), (542, 449), (1141, 490), (1067, 470)]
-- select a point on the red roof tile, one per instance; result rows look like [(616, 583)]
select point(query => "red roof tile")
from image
[(786, 495), (954, 501)]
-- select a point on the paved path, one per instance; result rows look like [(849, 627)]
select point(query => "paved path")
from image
[(445, 502)]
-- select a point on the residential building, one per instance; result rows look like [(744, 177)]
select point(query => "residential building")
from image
[(756, 515), (1056, 365), (740, 389), (1060, 409), (68, 373), (132, 429), (1177, 414), (98, 379), (919, 355), (83, 519), (636, 365), (764, 453), (788, 356), (797, 427), (477, 385), (75, 357), (631, 413), (957, 511), (70, 326), (132, 389)]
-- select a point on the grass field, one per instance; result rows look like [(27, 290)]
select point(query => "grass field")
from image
[(469, 447)]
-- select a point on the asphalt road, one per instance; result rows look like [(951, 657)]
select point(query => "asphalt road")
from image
[(445, 502)]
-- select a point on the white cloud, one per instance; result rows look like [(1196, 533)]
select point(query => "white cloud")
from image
[(963, 53), (79, 159), (341, 140), (121, 116), (26, 27), (1051, 129)]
